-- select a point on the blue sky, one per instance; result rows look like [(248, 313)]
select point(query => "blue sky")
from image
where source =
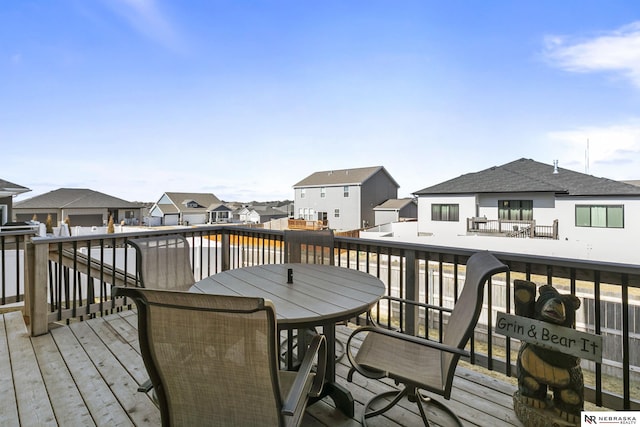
[(245, 98)]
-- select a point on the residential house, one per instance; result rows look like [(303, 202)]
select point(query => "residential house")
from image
[(394, 210), (8, 190), (344, 199), (525, 198), (259, 213), (219, 213), (186, 209), (266, 213), (83, 207)]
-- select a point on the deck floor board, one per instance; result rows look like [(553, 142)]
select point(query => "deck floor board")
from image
[(88, 373)]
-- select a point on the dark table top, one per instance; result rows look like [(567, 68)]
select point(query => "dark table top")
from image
[(319, 294)]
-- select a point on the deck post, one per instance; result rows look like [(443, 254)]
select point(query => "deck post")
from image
[(225, 241), (412, 291), (35, 295)]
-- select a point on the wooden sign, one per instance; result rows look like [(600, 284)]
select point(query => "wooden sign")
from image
[(554, 337)]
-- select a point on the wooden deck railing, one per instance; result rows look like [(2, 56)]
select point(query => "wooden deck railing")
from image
[(303, 224), (70, 278)]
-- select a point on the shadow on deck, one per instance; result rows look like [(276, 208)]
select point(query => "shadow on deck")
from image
[(88, 373)]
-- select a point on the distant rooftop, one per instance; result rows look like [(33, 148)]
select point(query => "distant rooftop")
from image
[(66, 198), (355, 176), (526, 175)]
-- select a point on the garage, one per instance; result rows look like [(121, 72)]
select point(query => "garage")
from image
[(86, 220), (171, 219)]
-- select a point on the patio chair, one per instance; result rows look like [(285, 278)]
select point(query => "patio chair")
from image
[(213, 360), (162, 262), (421, 364), (308, 247)]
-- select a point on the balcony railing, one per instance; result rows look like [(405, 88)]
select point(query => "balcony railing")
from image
[(512, 228), (303, 224), (70, 279)]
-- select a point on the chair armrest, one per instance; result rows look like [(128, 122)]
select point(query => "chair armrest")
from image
[(417, 303), (318, 347), (408, 302), (396, 335)]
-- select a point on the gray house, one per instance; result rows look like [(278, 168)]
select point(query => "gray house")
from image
[(82, 206), (394, 210), (344, 199), (7, 191)]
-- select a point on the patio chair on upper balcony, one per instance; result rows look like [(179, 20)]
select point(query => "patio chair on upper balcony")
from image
[(421, 364), (213, 360), (162, 262)]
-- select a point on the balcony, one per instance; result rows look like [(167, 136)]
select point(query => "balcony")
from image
[(67, 282), (511, 228), (87, 373)]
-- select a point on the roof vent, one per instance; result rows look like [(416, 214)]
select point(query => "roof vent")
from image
[(555, 166)]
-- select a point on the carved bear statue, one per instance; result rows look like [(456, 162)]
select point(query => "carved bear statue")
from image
[(540, 368)]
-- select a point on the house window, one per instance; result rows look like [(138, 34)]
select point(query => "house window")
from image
[(515, 210), (303, 192), (323, 192), (605, 216), (346, 191), (336, 213), (441, 212)]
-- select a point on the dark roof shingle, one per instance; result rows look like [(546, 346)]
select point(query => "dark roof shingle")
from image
[(526, 175), (66, 198), (353, 176)]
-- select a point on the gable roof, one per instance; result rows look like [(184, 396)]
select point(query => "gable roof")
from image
[(219, 207), (394, 204), (67, 198), (356, 176), (10, 189), (179, 202), (529, 176)]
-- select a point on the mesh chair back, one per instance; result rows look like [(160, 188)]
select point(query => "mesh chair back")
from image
[(212, 358), (462, 321), (309, 247), (162, 262)]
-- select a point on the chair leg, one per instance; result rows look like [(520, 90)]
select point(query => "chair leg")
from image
[(427, 400), (368, 414), (413, 395), (146, 386)]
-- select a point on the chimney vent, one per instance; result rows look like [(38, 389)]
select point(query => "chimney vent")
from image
[(555, 166)]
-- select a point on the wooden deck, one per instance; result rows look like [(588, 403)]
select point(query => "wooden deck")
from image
[(87, 374)]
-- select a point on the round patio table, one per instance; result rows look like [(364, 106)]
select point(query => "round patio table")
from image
[(318, 295)]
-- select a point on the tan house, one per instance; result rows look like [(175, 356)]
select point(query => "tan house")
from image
[(83, 207), (187, 209)]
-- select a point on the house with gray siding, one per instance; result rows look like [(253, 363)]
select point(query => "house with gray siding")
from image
[(8, 190), (344, 198), (83, 207)]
